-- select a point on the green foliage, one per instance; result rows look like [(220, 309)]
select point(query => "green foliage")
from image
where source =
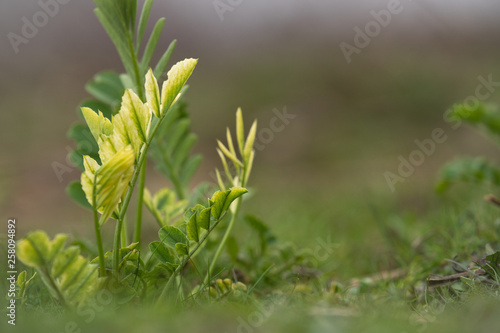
[(171, 236), (242, 164), (171, 149), (129, 253), (85, 144), (124, 110), (130, 117), (485, 116), (23, 284), (266, 237), (176, 246), (268, 260), (118, 19), (198, 218), (70, 277), (492, 266), (75, 192), (473, 170), (105, 185), (165, 206), (223, 199), (107, 88), (123, 143), (161, 252), (182, 242), (222, 288)]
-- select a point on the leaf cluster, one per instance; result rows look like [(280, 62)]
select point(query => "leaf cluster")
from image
[(476, 170), (70, 278)]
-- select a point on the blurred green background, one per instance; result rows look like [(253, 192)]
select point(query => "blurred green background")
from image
[(323, 174)]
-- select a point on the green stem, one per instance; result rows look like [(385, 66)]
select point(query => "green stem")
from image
[(128, 195), (116, 246), (54, 286), (223, 241), (124, 238), (140, 200), (135, 63), (186, 259), (98, 236), (97, 227), (45, 271)]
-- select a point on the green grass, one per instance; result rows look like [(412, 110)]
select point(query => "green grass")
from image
[(318, 295)]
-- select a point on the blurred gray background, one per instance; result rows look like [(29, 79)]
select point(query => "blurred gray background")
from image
[(352, 120)]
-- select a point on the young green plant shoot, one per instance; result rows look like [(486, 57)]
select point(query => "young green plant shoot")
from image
[(123, 145), (132, 114), (242, 167)]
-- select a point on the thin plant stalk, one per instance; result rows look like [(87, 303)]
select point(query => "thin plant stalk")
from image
[(102, 267), (140, 200), (128, 195), (124, 236), (116, 246), (224, 240), (98, 236), (186, 259)]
